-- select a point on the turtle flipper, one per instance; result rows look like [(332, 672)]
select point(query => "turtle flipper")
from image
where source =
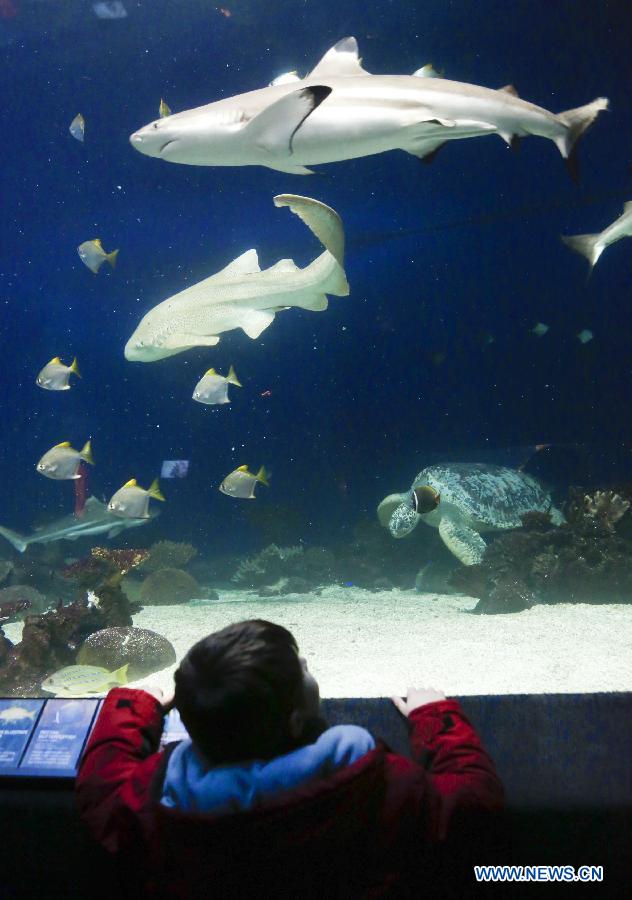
[(388, 506), (466, 544)]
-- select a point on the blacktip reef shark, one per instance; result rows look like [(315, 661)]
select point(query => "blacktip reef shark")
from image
[(95, 520), (592, 245), (243, 296), (340, 111)]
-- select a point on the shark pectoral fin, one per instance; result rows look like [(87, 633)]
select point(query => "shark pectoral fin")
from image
[(465, 543), (255, 321), (274, 128), (182, 341), (19, 541)]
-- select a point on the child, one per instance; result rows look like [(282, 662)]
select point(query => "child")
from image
[(264, 799)]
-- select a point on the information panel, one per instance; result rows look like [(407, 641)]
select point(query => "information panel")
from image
[(43, 738)]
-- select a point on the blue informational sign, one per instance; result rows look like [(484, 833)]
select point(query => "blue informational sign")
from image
[(44, 737), (17, 722)]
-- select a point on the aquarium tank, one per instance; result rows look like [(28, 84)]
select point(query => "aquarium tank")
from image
[(317, 313)]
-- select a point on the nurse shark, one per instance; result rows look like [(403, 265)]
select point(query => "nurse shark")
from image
[(340, 111)]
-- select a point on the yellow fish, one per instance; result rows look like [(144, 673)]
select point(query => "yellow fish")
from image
[(83, 681), (92, 255), (55, 375)]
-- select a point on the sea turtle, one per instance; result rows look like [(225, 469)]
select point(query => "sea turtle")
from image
[(464, 499)]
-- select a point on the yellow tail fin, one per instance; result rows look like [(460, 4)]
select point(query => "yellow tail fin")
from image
[(231, 378), (86, 453), (111, 257), (120, 675), (262, 476), (74, 367), (154, 490)]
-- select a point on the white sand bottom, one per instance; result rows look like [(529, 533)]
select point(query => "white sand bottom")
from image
[(363, 644)]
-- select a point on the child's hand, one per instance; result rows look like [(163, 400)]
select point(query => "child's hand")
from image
[(417, 697), (165, 699)]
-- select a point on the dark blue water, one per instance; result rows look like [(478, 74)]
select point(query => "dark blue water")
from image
[(438, 257)]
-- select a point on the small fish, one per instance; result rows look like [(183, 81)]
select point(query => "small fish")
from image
[(62, 461), (78, 127), (132, 501), (241, 483), (82, 681), (92, 255), (163, 109), (213, 388), (539, 329), (429, 71), (585, 335), (55, 375), (16, 714), (425, 499), (592, 245), (286, 78)]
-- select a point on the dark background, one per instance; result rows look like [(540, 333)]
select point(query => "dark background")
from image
[(439, 257)]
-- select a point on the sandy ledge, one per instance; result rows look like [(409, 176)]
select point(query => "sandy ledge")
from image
[(363, 644)]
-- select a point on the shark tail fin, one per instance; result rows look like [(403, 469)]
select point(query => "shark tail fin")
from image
[(17, 540), (577, 121), (154, 490), (586, 244), (86, 453), (231, 378)]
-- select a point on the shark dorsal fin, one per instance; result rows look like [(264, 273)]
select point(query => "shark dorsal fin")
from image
[(341, 59), (509, 89), (63, 444), (131, 483), (246, 264), (627, 207)]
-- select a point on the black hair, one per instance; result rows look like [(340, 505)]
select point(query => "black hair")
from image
[(236, 689)]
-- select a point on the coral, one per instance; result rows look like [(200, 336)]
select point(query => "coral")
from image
[(536, 521), (18, 593), (582, 561), (167, 587), (168, 555), (9, 611), (49, 642), (267, 567), (101, 574), (144, 651)]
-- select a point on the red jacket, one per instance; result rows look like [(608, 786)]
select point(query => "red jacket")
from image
[(367, 830)]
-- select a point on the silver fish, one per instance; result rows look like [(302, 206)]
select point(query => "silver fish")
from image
[(78, 127), (212, 388), (62, 461), (340, 111), (585, 336), (592, 245), (55, 375), (132, 501), (95, 520), (92, 255), (539, 329), (241, 483)]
